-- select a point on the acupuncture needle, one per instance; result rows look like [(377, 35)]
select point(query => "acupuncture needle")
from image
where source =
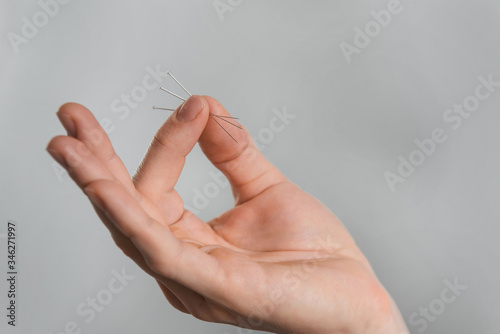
[(160, 108), (222, 127), (172, 93), (184, 88), (222, 118)]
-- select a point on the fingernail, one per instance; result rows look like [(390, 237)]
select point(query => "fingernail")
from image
[(68, 124), (58, 157), (190, 109), (93, 197)]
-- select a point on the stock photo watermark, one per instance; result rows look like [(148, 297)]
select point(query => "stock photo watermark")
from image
[(225, 6), (454, 118), (12, 272), (421, 318), (88, 309), (210, 190), (123, 105), (363, 36), (30, 28)]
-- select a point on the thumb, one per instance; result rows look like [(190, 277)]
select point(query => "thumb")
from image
[(247, 170)]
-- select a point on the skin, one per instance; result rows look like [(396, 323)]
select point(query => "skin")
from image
[(279, 260)]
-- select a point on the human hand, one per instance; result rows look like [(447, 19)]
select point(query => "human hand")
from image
[(278, 260)]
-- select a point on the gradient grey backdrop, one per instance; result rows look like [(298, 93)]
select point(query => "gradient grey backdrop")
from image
[(352, 122)]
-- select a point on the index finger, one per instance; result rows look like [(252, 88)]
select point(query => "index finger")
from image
[(162, 165)]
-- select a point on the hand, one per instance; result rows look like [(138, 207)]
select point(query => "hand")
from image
[(278, 261)]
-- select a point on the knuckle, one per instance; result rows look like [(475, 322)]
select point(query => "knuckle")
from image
[(163, 141)]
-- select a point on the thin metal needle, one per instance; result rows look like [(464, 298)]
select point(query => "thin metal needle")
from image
[(172, 76), (172, 93), (223, 128), (227, 116), (222, 119), (160, 108)]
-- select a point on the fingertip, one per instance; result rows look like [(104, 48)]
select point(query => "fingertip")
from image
[(76, 111), (213, 102), (190, 109), (68, 107), (54, 142), (68, 123), (67, 114)]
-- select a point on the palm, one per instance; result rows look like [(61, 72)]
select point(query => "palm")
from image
[(288, 243), (278, 219)]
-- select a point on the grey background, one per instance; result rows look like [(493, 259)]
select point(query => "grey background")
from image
[(352, 122)]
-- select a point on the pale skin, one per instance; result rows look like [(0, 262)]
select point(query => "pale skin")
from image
[(278, 261)]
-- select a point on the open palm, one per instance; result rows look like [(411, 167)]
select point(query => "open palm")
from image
[(278, 261)]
